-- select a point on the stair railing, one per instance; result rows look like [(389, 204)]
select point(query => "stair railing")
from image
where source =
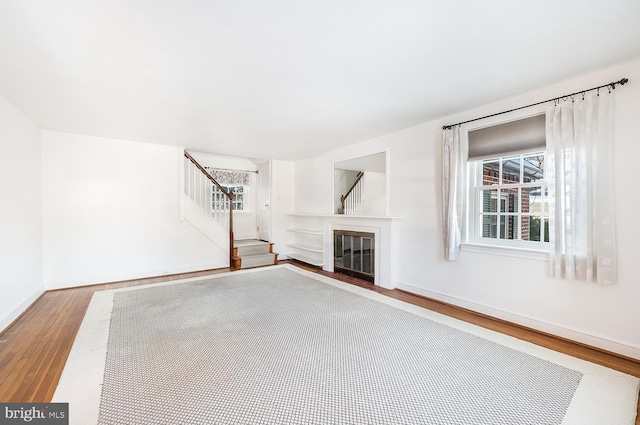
[(353, 198), (210, 196)]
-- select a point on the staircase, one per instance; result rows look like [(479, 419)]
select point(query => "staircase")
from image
[(353, 199), (250, 253), (206, 205)]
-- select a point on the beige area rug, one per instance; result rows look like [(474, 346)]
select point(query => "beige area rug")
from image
[(280, 345)]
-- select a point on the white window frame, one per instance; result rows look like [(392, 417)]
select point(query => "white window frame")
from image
[(474, 213)]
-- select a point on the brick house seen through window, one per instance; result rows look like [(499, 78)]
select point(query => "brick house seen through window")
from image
[(512, 198)]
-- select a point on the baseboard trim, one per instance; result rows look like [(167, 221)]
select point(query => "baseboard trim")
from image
[(20, 310), (98, 280), (591, 341)]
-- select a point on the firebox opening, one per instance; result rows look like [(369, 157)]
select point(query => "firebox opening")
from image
[(353, 254)]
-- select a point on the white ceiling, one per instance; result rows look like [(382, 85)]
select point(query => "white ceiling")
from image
[(290, 78)]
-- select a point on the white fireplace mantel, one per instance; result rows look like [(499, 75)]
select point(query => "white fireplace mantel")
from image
[(383, 228)]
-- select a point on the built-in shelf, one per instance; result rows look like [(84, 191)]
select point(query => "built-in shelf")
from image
[(306, 243), (306, 259), (306, 231), (305, 247)]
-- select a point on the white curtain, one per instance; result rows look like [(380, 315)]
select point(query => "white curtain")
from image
[(580, 174), (453, 167)]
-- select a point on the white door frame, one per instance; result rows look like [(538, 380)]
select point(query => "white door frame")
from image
[(263, 207)]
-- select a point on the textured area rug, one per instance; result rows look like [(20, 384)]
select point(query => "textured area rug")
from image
[(281, 346)]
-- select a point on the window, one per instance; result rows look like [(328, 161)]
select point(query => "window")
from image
[(239, 193), (240, 197), (507, 190), (509, 200), (232, 181)]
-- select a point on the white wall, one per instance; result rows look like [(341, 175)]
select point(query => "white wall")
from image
[(111, 212), (374, 194), (281, 204), (20, 213), (516, 289)]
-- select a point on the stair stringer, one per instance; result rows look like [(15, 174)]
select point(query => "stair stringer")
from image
[(209, 227)]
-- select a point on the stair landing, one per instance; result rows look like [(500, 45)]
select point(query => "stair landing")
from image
[(249, 253)]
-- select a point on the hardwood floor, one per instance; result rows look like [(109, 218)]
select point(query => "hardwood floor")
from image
[(34, 349)]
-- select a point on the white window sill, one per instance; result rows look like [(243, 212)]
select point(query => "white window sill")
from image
[(518, 252)]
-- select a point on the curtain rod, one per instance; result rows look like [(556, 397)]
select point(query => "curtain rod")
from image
[(233, 169), (611, 85)]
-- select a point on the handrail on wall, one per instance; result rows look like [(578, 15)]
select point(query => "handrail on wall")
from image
[(226, 193)]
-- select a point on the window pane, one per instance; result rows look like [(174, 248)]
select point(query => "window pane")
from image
[(532, 200), (511, 170), (489, 200), (525, 231), (533, 169), (534, 229), (509, 228), (489, 226), (510, 202), (338, 251), (366, 255), (490, 172), (357, 253), (346, 244)]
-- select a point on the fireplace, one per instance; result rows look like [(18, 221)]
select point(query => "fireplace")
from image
[(354, 254)]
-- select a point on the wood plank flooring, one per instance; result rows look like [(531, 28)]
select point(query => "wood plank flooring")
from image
[(34, 349)]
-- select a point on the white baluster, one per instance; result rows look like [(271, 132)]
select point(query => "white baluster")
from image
[(186, 175), (218, 198), (189, 183), (192, 178), (202, 184), (209, 206), (201, 191)]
